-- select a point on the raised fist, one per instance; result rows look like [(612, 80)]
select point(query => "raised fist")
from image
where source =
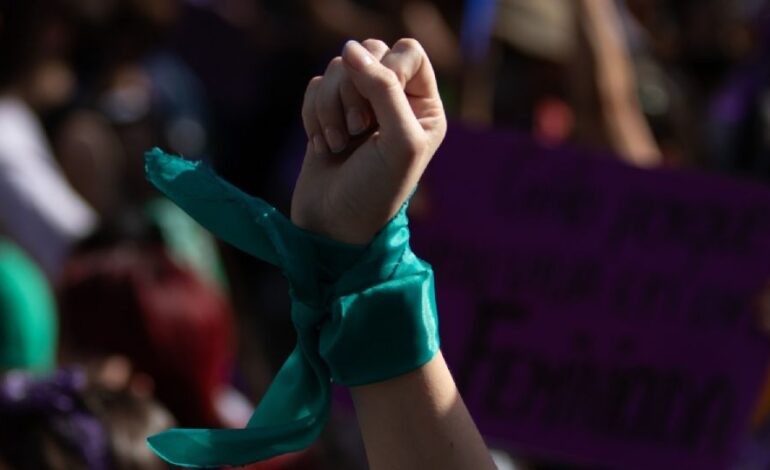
[(373, 121)]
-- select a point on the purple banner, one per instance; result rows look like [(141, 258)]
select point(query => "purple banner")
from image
[(594, 313)]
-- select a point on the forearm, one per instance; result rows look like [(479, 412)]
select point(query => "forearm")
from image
[(419, 421), (343, 297), (415, 420), (626, 127)]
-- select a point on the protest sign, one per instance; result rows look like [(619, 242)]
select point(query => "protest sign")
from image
[(594, 313)]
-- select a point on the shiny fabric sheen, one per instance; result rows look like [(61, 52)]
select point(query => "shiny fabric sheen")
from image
[(363, 314)]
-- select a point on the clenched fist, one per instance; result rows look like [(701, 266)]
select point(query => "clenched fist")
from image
[(373, 121)]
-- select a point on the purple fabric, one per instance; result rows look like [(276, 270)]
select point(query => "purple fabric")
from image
[(594, 313), (56, 397)]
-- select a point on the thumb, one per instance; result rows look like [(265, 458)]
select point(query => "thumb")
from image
[(409, 61), (384, 89)]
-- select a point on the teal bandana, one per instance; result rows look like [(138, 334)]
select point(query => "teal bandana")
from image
[(363, 314)]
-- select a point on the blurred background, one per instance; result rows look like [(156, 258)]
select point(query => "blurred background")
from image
[(120, 317)]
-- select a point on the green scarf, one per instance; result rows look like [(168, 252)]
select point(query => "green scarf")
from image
[(363, 314)]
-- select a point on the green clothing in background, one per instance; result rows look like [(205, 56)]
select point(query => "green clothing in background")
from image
[(28, 324), (188, 242)]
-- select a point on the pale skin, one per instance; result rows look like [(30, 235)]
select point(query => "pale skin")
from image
[(374, 121), (626, 127)]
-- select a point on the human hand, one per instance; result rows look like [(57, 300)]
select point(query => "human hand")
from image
[(373, 120)]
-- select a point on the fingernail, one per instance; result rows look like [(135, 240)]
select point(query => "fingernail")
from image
[(336, 140), (356, 122), (319, 145), (357, 56)]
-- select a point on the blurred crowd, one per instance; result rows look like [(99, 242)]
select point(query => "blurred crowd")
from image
[(120, 317)]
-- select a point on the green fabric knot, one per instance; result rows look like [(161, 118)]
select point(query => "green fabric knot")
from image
[(363, 314), (306, 317)]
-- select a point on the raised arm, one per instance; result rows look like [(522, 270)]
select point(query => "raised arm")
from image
[(603, 55), (419, 421), (374, 120)]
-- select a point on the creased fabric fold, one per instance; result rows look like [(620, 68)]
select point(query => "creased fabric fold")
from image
[(363, 314)]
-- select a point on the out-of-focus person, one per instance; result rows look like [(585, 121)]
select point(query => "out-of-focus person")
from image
[(133, 300), (28, 321), (68, 421), (561, 70), (38, 208), (144, 322)]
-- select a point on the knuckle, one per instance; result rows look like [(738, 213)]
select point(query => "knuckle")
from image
[(334, 65), (308, 106), (408, 44), (309, 123), (312, 86), (308, 115), (374, 44)]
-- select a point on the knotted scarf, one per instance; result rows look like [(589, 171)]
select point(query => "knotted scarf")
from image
[(363, 314)]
